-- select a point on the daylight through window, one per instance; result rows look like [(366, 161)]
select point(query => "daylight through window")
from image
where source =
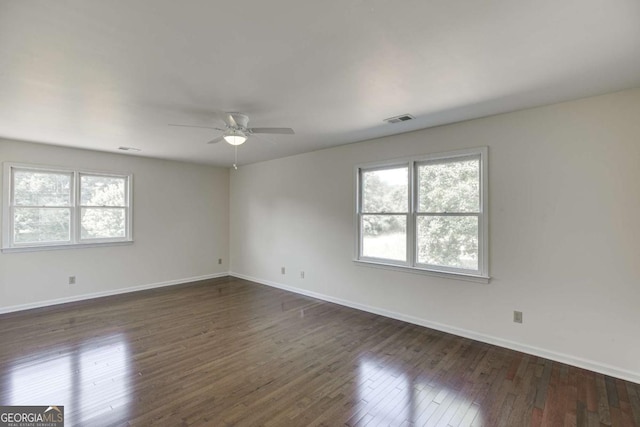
[(50, 207), (426, 213)]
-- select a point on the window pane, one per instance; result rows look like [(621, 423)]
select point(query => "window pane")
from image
[(385, 190), (449, 187), (41, 188), (40, 225), (448, 241), (384, 236), (102, 191), (102, 223)]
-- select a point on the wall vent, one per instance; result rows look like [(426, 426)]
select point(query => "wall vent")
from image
[(398, 119)]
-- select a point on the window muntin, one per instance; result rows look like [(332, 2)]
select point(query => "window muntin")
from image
[(446, 225), (51, 207)]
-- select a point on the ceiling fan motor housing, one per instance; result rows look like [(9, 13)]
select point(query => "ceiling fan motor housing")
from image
[(241, 120)]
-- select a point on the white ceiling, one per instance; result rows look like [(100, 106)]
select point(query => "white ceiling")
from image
[(101, 74)]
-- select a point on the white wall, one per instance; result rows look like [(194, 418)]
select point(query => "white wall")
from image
[(180, 229), (564, 232)]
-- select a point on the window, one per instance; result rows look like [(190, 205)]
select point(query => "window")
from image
[(385, 213), (425, 214), (42, 207), (51, 208), (103, 207)]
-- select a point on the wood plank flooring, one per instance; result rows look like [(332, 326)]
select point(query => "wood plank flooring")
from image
[(231, 352)]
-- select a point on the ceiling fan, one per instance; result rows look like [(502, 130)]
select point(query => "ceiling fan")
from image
[(237, 131)]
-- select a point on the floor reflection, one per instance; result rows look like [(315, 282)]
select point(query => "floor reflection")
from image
[(388, 396), (44, 380), (92, 381)]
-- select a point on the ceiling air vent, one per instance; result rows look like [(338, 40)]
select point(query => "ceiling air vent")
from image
[(398, 119), (129, 149)]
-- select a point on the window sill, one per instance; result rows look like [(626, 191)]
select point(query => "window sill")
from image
[(413, 270), (62, 247)]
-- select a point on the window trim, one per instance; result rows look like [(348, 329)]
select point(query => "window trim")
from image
[(75, 241), (412, 265)]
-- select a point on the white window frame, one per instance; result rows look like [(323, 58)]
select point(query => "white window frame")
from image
[(377, 167), (411, 265), (75, 241)]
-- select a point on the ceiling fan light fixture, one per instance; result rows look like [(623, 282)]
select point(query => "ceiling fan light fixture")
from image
[(235, 137)]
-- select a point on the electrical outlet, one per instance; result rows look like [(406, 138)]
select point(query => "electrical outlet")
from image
[(219, 260), (302, 274), (517, 316), (72, 280), (282, 270)]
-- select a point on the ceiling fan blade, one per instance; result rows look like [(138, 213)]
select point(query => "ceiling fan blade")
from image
[(194, 126), (228, 118), (216, 140), (281, 131)]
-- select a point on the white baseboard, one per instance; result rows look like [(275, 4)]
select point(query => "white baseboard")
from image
[(489, 339), (82, 297)]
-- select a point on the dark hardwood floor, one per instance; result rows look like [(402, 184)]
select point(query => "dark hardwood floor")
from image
[(231, 352)]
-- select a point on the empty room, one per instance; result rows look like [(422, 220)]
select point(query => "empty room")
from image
[(342, 213)]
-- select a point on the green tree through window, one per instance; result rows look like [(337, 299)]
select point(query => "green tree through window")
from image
[(59, 207), (425, 213)]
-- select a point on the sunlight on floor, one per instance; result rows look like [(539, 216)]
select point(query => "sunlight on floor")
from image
[(389, 397), (91, 382)]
